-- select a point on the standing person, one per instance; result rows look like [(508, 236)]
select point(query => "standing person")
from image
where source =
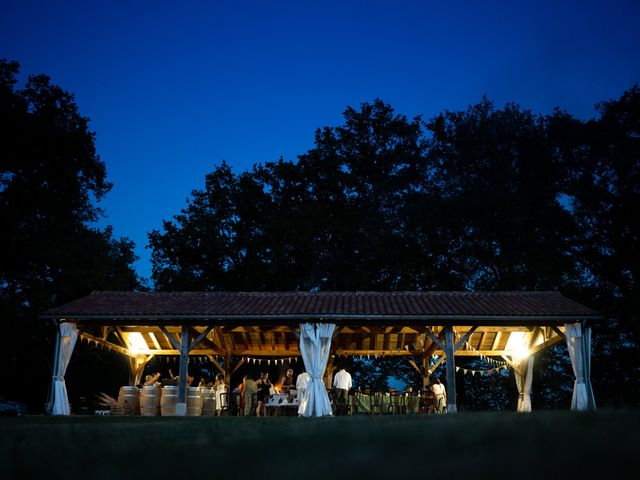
[(301, 386), (264, 386), (220, 388), (287, 382), (341, 387), (248, 389), (440, 394)]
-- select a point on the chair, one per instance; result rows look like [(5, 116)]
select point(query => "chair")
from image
[(224, 403), (234, 405), (352, 405), (397, 403), (427, 403), (377, 403), (412, 403)]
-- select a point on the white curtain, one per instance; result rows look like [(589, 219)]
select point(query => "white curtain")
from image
[(523, 382), (68, 336), (315, 343), (579, 345)]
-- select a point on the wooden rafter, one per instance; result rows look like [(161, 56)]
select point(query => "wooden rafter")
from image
[(238, 365), (218, 339), (215, 362), (433, 367), (170, 338), (436, 339), (496, 341), (199, 336), (513, 364), (246, 340), (546, 344), (558, 331), (106, 344), (464, 339), (415, 366), (534, 336)]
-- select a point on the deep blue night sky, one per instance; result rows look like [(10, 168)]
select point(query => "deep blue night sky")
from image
[(173, 88)]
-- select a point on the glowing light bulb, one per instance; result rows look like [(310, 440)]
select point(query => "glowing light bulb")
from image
[(516, 345), (136, 342)]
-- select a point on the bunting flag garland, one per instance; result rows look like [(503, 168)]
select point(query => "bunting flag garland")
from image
[(276, 361), (497, 363), (482, 373)]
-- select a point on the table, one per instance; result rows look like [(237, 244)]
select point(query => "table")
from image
[(282, 404)]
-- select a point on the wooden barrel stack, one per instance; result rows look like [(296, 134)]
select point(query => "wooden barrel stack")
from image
[(208, 402), (129, 400), (194, 402), (150, 401), (169, 401)]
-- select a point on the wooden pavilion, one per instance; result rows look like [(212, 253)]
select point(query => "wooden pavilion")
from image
[(236, 326)]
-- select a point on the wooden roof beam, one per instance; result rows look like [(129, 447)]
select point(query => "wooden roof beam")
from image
[(199, 336), (271, 353), (106, 344)]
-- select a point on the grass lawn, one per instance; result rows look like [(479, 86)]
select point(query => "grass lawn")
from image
[(496, 445)]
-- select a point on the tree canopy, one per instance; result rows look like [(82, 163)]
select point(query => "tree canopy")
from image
[(482, 199), (51, 180)]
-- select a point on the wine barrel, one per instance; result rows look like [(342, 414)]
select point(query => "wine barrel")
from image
[(129, 400), (208, 402), (194, 402), (150, 400), (169, 401)]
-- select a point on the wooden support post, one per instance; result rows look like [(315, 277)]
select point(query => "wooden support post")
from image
[(181, 408), (328, 373), (451, 371), (227, 369), (136, 367), (425, 373)]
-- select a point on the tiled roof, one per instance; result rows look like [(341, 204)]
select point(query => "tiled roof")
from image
[(318, 304)]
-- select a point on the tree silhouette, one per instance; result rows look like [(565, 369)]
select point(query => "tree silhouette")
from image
[(481, 199), (50, 181)]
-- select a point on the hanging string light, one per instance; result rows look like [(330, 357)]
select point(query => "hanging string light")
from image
[(497, 363)]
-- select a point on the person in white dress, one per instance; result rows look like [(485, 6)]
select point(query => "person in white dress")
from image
[(220, 387), (301, 386), (440, 396)]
